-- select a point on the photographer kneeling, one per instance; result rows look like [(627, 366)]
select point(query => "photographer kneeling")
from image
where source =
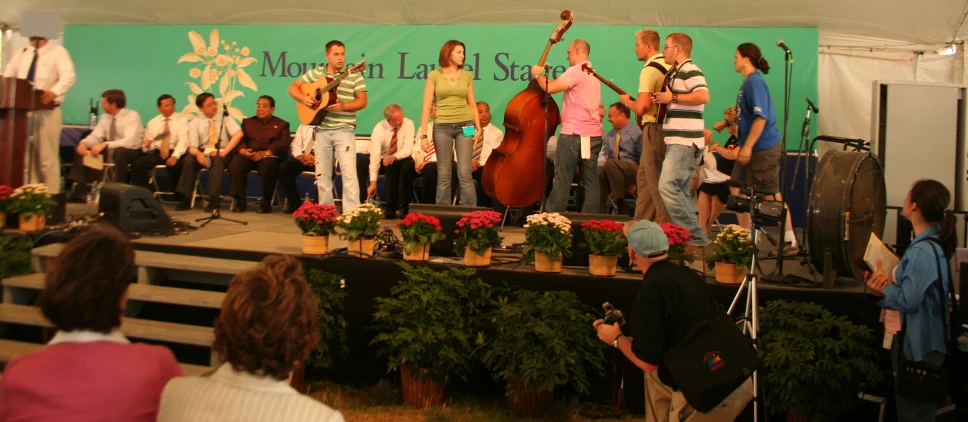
[(671, 302)]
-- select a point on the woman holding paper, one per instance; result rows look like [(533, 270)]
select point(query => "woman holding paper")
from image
[(914, 291)]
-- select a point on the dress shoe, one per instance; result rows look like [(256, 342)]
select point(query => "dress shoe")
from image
[(239, 206), (265, 208), (289, 210), (210, 206), (390, 215), (184, 205)]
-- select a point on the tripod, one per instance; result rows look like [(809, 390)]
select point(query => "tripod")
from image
[(751, 320), (216, 213)]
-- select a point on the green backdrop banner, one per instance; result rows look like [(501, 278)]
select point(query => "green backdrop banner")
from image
[(237, 63)]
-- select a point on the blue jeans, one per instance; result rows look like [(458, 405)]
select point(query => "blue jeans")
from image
[(677, 168), (447, 138), (909, 409), (342, 143), (567, 158)]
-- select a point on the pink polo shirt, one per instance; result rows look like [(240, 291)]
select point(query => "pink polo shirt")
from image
[(579, 114), (87, 380)]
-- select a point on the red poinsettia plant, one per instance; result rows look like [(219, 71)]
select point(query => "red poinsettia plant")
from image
[(604, 238), (678, 240), (316, 219), (478, 231), (5, 192), (419, 228)]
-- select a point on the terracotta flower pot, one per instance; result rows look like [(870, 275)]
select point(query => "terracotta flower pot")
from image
[(529, 404), (424, 393), (421, 252), (315, 244), (544, 265), (791, 414), (472, 259), (3, 219), (602, 266), (729, 273), (34, 223), (364, 245)]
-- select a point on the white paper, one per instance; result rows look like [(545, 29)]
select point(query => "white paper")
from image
[(876, 250), (586, 147), (96, 163), (888, 340)]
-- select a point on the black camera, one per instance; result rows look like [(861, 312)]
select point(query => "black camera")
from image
[(612, 315), (770, 210)]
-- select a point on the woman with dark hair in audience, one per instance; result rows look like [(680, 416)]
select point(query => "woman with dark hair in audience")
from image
[(913, 288), (718, 165), (267, 327), (89, 371)]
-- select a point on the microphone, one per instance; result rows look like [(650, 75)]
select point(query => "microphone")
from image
[(225, 110), (812, 107), (779, 43)]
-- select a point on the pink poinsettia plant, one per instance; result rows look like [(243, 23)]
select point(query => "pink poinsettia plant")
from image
[(604, 238), (316, 219), (5, 192), (678, 240), (478, 232), (419, 228)]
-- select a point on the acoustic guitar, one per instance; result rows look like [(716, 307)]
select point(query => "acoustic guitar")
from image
[(589, 70), (324, 92)]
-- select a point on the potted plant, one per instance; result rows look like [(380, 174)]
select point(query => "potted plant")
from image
[(31, 202), (5, 192), (537, 341), (361, 225), (678, 238), (317, 222), (547, 241), (733, 254), (419, 231), (14, 254), (476, 235), (447, 308), (605, 242), (330, 298), (814, 362)]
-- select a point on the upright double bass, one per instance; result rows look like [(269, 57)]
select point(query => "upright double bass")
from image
[(514, 172)]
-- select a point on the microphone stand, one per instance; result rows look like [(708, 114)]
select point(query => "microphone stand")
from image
[(216, 213), (804, 139), (787, 76)]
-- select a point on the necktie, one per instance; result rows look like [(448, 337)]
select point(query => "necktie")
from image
[(393, 142), (618, 140), (165, 141), (31, 73), (430, 154), (212, 135), (479, 149), (113, 132)]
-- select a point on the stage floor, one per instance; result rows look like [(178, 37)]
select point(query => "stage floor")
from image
[(276, 233)]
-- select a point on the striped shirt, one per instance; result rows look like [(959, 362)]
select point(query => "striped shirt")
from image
[(346, 92), (230, 395), (684, 124)]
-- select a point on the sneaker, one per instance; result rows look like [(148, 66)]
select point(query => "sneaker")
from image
[(788, 250)]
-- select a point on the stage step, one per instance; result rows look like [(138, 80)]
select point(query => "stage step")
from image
[(130, 327), (136, 292), (148, 261), (10, 349)]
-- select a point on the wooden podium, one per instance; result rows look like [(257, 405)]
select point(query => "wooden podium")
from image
[(14, 126)]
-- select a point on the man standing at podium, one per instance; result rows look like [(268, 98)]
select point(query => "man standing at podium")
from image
[(50, 69)]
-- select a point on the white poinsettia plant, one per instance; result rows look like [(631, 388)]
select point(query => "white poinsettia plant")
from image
[(549, 233), (362, 222), (30, 200)]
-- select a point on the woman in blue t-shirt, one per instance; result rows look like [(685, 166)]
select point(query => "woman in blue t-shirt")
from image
[(760, 152)]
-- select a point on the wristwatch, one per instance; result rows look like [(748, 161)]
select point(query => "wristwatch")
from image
[(615, 343), (423, 136), (675, 98)]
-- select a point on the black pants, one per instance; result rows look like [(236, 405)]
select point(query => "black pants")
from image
[(429, 173), (288, 173), (268, 169), (483, 200), (122, 158), (142, 166), (400, 176), (191, 167)]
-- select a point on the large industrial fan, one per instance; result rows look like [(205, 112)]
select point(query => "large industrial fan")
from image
[(848, 202)]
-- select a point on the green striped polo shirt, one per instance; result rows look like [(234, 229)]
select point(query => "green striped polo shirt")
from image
[(345, 92), (683, 124)]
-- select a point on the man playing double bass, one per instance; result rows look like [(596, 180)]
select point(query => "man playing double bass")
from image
[(581, 129)]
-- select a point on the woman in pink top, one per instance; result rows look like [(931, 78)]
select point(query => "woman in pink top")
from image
[(89, 371)]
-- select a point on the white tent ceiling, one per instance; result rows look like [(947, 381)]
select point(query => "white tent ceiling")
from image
[(841, 22)]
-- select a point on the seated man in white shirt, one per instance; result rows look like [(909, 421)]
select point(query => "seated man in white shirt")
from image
[(391, 144), (212, 138), (303, 159), (165, 143), (119, 131), (492, 139)]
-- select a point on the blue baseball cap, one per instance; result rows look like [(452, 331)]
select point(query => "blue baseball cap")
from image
[(646, 238)]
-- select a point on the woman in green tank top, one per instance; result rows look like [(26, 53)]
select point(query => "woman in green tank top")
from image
[(456, 123)]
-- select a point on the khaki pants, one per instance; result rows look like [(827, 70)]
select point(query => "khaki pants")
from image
[(42, 163), (665, 405), (649, 205)]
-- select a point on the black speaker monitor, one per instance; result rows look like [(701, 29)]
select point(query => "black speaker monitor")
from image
[(132, 208), (448, 216), (579, 256)]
